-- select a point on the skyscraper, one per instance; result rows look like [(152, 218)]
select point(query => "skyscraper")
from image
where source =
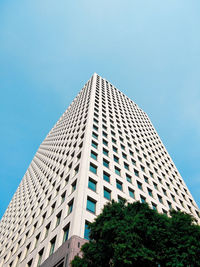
[(103, 147)]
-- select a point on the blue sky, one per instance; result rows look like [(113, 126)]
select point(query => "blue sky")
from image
[(48, 49)]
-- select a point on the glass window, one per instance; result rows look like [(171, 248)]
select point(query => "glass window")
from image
[(91, 205), (154, 206), (66, 233), (131, 193), (119, 185), (142, 168), (126, 166), (150, 192), (73, 186), (105, 151), (92, 184), (93, 168), (63, 197), (155, 186), (139, 185), (104, 134), (94, 144), (47, 230), (114, 149), (52, 246), (40, 254), (143, 199), (136, 173), (128, 178), (58, 218), (95, 127), (133, 162), (169, 204), (87, 231), (106, 177), (146, 179), (105, 142), (94, 135), (122, 147), (124, 155), (116, 159), (105, 163), (93, 155), (120, 199), (160, 199), (117, 171), (114, 141), (70, 206), (107, 193)]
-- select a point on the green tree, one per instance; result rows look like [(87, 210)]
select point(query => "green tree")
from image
[(127, 234)]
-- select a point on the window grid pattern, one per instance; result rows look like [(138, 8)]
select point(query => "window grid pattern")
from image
[(128, 161)]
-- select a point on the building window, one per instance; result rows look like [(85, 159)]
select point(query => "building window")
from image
[(117, 171), (122, 147), (95, 127), (66, 233), (91, 205), (107, 193), (136, 173), (53, 207), (143, 199), (105, 151), (93, 155), (124, 155), (116, 159), (94, 135), (104, 134), (128, 178), (47, 230), (114, 149), (160, 199), (119, 185), (93, 168), (139, 185), (87, 231), (70, 206), (126, 166), (106, 177), (63, 197), (94, 144), (114, 141), (40, 254), (155, 186), (169, 204), (150, 192), (133, 162), (105, 142), (36, 240), (52, 246), (58, 217), (142, 168), (105, 163), (120, 199), (131, 193), (92, 184), (146, 179), (74, 186), (154, 206)]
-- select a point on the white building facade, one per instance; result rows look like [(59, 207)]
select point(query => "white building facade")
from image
[(103, 147)]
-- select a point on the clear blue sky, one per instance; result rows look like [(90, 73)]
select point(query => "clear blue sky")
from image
[(48, 49)]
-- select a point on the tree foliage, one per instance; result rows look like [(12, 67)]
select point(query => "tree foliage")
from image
[(127, 234)]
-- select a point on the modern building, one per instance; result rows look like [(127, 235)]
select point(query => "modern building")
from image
[(103, 147)]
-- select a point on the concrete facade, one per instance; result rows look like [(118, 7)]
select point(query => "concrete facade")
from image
[(103, 147)]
